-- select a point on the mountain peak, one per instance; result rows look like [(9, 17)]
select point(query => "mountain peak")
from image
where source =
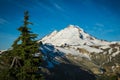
[(71, 35), (75, 26), (71, 26)]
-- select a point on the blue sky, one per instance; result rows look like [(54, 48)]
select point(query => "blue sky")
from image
[(100, 18)]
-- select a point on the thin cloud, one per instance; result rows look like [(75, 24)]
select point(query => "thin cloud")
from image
[(49, 9), (3, 21), (58, 7), (45, 4), (99, 25), (52, 7), (107, 32), (49, 5)]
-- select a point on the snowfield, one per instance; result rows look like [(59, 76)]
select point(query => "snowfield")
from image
[(74, 41)]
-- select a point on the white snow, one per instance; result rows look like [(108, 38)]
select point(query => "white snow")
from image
[(73, 52), (68, 51), (116, 53), (88, 48), (50, 36), (72, 35), (67, 41), (105, 46), (110, 51), (1, 51)]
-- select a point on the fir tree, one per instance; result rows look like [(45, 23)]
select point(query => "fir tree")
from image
[(23, 64)]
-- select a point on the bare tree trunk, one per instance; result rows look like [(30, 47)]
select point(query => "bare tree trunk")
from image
[(15, 62)]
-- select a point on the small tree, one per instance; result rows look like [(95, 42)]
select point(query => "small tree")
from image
[(23, 62)]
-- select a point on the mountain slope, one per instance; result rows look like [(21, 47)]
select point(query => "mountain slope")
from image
[(81, 49), (72, 35)]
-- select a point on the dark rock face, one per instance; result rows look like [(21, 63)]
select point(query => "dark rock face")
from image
[(69, 72)]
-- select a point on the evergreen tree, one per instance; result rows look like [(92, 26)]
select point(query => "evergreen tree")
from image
[(22, 60)]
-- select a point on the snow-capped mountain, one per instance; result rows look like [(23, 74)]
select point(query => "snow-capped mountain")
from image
[(72, 35), (82, 49)]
